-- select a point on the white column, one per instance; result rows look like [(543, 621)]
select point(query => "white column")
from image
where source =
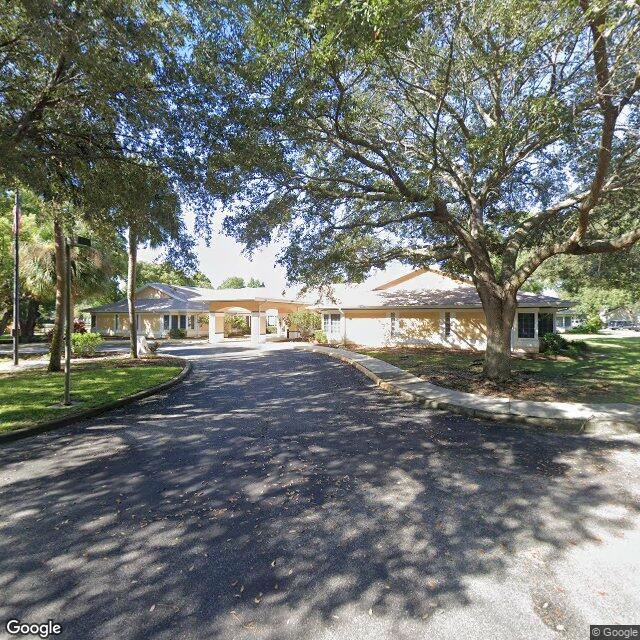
[(216, 327), (282, 329), (258, 327)]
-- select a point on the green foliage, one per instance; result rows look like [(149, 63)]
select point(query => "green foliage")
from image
[(367, 131), (95, 272), (591, 325), (87, 81), (553, 344), (320, 337), (235, 325), (85, 345), (305, 321), (170, 274), (238, 282), (177, 334), (233, 282)]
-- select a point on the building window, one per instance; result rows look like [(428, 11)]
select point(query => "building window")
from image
[(116, 322), (165, 323), (392, 318), (174, 322), (183, 322), (545, 323), (93, 320), (331, 324), (192, 322), (447, 324), (526, 325)]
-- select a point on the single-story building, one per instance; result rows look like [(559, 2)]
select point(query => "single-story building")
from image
[(568, 319), (427, 307), (159, 308), (198, 311), (621, 317), (422, 307)]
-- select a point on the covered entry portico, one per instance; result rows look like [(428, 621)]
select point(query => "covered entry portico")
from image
[(255, 303)]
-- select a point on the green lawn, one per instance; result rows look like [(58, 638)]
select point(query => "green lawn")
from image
[(31, 397), (609, 373)]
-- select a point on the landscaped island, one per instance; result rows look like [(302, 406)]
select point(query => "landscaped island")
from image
[(33, 397), (609, 372)]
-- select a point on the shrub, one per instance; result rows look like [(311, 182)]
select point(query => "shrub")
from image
[(84, 345), (271, 329), (235, 325), (320, 337), (177, 333), (591, 325), (79, 326), (553, 343), (153, 346), (305, 321)]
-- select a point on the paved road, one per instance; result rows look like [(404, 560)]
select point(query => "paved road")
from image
[(276, 494)]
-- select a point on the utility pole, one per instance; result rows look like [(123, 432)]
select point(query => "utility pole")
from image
[(16, 279), (69, 321), (68, 243)]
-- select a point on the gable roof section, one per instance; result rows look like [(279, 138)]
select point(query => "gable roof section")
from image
[(423, 289), (428, 277), (180, 299)]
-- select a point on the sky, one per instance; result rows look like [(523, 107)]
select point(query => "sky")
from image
[(224, 258)]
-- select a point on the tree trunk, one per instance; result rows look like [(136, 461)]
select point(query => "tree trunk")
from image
[(55, 350), (4, 320), (131, 290), (500, 314), (28, 324)]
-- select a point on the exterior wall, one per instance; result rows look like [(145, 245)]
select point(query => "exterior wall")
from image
[(418, 327), (151, 325), (467, 328), (368, 328)]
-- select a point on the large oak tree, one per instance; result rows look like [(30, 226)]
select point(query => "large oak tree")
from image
[(486, 135)]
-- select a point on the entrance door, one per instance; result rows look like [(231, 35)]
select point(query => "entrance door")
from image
[(545, 323)]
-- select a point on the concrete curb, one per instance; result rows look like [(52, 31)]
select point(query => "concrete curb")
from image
[(559, 417), (26, 432)]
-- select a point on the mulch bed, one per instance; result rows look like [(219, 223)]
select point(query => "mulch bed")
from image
[(467, 376)]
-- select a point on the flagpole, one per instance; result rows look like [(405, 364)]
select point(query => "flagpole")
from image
[(16, 280)]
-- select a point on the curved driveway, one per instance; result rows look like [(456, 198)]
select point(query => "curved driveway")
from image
[(277, 494)]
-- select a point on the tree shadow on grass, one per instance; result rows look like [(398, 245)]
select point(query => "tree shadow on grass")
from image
[(273, 492)]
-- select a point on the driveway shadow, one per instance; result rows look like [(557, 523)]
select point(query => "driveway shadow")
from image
[(274, 492)]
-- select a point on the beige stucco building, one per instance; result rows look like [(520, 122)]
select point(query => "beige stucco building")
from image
[(198, 311), (159, 308), (427, 307), (423, 307)]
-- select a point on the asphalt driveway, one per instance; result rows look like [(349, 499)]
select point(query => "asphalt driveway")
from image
[(277, 494)]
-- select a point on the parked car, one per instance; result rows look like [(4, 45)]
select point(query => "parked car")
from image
[(621, 324)]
